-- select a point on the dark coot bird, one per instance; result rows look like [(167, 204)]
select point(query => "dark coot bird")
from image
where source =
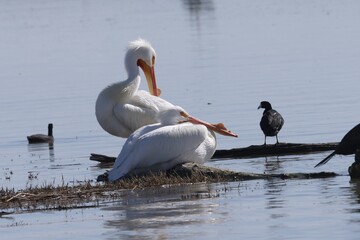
[(348, 145), (42, 138), (271, 121)]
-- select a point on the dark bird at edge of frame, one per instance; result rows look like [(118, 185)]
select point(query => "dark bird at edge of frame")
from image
[(42, 138), (348, 145), (271, 121)]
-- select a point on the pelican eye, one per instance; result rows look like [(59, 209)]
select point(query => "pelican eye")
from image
[(183, 114), (153, 60)]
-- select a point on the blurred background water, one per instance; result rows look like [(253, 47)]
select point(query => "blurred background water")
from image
[(218, 60)]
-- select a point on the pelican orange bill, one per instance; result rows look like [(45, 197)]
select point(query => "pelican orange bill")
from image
[(219, 128), (150, 77)]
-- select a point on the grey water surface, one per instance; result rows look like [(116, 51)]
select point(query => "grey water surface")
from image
[(218, 60)]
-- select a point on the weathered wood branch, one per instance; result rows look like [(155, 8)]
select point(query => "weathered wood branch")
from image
[(274, 150), (253, 151), (193, 172), (219, 175), (102, 158)]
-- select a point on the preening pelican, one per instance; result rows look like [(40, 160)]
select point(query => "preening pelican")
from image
[(177, 138), (121, 108)]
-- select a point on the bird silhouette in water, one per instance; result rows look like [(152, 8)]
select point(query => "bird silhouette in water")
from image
[(42, 138), (271, 121), (348, 145)]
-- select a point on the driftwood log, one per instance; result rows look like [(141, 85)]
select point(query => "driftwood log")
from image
[(201, 173), (275, 150), (253, 151), (102, 158), (220, 175)]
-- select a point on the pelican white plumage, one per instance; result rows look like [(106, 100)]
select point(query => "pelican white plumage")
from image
[(177, 138), (121, 108)]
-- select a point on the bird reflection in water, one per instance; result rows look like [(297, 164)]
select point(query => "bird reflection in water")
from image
[(355, 195), (272, 165), (198, 7), (161, 208), (40, 149), (274, 187), (275, 199)]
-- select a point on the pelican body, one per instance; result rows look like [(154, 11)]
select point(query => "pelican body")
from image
[(121, 108), (177, 139)]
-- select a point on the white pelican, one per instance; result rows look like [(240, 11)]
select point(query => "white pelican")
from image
[(178, 138), (121, 108)]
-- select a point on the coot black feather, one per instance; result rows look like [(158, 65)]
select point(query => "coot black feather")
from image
[(271, 121)]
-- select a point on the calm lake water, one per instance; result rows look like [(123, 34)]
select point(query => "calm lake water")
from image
[(218, 60)]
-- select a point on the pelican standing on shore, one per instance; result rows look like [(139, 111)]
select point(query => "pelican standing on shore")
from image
[(121, 108)]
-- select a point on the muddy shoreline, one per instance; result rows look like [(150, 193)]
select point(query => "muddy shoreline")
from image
[(91, 193)]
